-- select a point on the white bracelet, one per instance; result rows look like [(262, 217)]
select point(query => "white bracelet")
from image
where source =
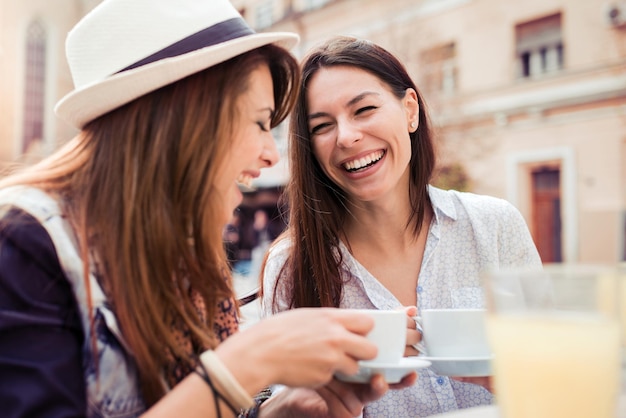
[(226, 383)]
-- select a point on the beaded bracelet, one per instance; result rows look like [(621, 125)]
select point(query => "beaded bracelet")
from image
[(250, 413), (259, 398)]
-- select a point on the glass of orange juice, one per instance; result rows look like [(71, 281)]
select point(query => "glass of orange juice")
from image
[(555, 335)]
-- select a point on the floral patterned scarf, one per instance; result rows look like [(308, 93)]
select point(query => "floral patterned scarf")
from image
[(226, 324)]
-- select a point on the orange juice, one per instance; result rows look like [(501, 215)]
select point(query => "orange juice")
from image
[(555, 366)]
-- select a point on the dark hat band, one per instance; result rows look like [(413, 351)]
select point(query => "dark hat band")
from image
[(216, 34)]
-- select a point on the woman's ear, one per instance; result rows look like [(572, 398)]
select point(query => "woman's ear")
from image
[(411, 106)]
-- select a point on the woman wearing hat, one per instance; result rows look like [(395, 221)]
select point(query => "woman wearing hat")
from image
[(115, 295)]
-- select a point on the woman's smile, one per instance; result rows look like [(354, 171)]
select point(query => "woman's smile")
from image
[(363, 163)]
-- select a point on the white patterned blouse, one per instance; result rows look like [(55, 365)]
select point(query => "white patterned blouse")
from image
[(468, 233)]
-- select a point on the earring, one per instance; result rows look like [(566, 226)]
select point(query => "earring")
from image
[(413, 125)]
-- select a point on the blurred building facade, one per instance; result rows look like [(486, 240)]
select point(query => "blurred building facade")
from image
[(34, 74), (528, 99)]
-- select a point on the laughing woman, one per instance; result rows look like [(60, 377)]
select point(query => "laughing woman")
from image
[(366, 230)]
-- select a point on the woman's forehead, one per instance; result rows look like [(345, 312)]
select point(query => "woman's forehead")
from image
[(344, 84)]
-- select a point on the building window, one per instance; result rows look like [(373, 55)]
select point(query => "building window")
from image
[(264, 14), (439, 69), (35, 80), (539, 46)]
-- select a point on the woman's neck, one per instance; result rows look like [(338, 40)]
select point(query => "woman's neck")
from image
[(383, 225)]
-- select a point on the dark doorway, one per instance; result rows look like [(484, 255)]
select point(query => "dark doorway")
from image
[(546, 217)]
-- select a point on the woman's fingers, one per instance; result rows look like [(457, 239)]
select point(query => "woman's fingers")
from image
[(348, 399), (414, 333), (334, 400), (411, 311), (340, 403), (411, 324), (408, 380), (295, 403), (413, 342)]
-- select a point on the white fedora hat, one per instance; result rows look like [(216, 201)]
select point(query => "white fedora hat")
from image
[(124, 49)]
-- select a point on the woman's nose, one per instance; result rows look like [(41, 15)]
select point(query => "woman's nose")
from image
[(270, 152), (347, 134)]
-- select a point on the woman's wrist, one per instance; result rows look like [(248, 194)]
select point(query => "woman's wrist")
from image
[(248, 366), (222, 381)]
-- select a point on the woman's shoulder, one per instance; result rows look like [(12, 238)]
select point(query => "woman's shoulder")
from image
[(280, 247), (23, 233), (471, 202), (29, 198), (37, 304)]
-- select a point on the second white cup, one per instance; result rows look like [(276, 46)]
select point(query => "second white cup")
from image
[(457, 333)]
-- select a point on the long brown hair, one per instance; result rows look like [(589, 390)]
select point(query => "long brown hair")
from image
[(138, 188), (317, 206)]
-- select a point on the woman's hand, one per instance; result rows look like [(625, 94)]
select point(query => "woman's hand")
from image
[(301, 347), (335, 400), (413, 336)]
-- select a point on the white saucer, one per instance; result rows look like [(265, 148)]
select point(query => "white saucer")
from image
[(392, 372), (460, 366)]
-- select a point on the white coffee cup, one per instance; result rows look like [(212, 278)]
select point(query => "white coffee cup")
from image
[(389, 334), (454, 333)]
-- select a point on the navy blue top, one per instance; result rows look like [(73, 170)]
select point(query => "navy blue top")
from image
[(41, 338)]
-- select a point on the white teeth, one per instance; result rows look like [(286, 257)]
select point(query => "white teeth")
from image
[(245, 180), (364, 161)]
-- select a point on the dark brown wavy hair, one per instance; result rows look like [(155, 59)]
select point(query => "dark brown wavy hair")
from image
[(138, 187), (317, 206)]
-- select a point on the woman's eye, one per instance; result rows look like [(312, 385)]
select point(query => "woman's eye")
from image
[(365, 109), (263, 127), (319, 128)]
